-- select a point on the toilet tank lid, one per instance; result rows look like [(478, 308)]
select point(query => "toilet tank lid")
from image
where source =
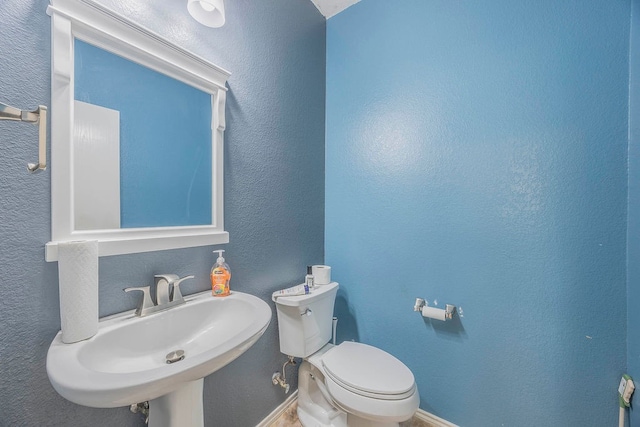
[(369, 369), (317, 293)]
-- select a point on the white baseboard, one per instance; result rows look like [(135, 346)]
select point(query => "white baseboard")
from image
[(430, 419), (275, 414)]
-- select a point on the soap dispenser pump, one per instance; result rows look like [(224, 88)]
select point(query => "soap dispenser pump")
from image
[(220, 276)]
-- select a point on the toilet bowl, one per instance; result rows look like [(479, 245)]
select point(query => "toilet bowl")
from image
[(351, 384)]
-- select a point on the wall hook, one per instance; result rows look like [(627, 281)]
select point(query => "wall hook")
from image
[(37, 117)]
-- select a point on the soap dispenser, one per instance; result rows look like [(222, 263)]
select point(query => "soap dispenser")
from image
[(220, 276)]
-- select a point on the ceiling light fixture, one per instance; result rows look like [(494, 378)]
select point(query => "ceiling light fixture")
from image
[(207, 12)]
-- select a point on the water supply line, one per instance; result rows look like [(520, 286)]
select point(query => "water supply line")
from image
[(143, 409), (281, 378), (335, 327)]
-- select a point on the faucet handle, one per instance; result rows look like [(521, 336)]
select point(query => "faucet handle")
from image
[(146, 302), (177, 295)]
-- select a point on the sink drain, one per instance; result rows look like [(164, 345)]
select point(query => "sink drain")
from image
[(174, 356)]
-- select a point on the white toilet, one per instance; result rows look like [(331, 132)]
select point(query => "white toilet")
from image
[(351, 384)]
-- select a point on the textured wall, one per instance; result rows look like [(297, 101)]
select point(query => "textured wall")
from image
[(633, 231), (274, 187), (477, 154)]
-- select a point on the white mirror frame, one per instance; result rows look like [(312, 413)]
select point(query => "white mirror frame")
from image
[(101, 27)]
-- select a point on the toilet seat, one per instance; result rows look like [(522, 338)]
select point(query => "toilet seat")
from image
[(370, 383), (368, 371)]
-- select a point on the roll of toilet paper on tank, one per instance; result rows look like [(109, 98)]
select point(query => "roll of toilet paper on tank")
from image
[(78, 284), (321, 274), (433, 313)]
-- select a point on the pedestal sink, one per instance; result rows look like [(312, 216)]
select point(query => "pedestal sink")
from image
[(126, 361)]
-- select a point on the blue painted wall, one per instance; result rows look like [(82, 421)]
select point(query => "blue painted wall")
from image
[(174, 186), (476, 153), (633, 231), (274, 200)]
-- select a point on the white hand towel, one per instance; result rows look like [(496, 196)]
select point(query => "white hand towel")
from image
[(78, 284)]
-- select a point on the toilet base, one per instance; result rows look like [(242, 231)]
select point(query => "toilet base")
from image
[(315, 411)]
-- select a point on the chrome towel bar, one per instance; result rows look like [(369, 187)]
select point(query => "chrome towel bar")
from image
[(37, 117)]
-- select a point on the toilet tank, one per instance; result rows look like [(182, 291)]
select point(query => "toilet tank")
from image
[(305, 321)]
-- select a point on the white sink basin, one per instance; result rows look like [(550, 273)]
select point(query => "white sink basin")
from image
[(125, 362)]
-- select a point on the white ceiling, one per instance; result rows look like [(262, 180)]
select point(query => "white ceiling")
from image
[(332, 7)]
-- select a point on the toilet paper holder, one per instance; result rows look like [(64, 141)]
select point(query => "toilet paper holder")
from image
[(422, 306)]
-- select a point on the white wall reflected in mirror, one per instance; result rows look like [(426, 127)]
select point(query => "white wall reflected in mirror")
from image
[(96, 158)]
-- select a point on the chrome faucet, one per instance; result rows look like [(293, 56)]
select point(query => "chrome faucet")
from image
[(162, 282), (164, 299)]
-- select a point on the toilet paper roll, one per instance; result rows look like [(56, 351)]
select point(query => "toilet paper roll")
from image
[(321, 274), (433, 313), (78, 284)]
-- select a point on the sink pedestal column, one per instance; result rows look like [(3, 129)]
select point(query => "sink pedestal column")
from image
[(180, 408)]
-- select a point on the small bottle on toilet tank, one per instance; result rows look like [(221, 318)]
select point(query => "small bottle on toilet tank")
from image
[(308, 279)]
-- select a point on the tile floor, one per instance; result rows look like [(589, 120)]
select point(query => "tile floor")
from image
[(290, 419)]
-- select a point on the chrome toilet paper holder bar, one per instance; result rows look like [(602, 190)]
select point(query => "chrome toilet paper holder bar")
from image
[(449, 309)]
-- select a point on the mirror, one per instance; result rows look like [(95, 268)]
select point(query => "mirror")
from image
[(142, 145), (136, 136)]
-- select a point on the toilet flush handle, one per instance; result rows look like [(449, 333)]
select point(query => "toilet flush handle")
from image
[(307, 312)]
